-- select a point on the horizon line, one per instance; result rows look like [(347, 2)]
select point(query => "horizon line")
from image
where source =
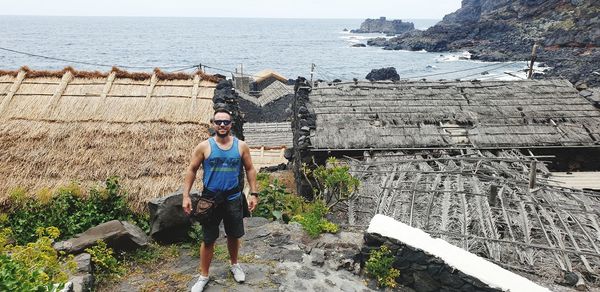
[(186, 16)]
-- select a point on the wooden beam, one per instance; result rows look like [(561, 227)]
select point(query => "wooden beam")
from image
[(194, 97), (153, 81), (55, 99), (104, 95), (11, 92), (108, 85), (412, 200), (532, 174)]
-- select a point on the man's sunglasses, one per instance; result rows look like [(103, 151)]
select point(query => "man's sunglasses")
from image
[(222, 122)]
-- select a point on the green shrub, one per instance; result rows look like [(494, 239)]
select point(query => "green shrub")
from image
[(68, 210), (35, 266), (195, 233), (276, 202), (313, 219), (379, 266), (106, 265), (334, 183)]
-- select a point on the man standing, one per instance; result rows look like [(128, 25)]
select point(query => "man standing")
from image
[(221, 157)]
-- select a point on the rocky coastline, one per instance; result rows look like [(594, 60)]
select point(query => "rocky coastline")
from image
[(382, 25), (567, 34)]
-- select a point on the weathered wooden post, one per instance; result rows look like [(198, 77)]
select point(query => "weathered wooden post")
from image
[(532, 171), (533, 57), (493, 196)]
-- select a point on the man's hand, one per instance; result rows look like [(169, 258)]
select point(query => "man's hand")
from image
[(252, 203), (187, 205)]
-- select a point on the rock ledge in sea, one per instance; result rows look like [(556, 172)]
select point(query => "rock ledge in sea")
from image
[(382, 25), (567, 33)]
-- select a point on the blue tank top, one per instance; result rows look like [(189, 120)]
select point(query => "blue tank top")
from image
[(222, 168)]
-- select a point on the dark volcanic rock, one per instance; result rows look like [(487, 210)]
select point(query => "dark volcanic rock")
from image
[(382, 25), (275, 111), (168, 222), (383, 74), (568, 33), (119, 235)]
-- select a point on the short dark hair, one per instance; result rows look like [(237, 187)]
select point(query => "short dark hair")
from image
[(222, 110)]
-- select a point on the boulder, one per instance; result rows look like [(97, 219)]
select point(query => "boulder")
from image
[(581, 85), (317, 257), (81, 283), (82, 280), (383, 74), (84, 262), (359, 45), (168, 222), (119, 235)]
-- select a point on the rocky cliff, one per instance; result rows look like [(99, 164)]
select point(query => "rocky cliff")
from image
[(382, 25), (568, 32)]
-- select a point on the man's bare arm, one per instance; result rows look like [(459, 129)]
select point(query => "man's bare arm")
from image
[(250, 174), (190, 175)]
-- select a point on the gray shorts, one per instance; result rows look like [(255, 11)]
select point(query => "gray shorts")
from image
[(232, 215)]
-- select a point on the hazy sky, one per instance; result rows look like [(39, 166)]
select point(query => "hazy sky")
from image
[(435, 9)]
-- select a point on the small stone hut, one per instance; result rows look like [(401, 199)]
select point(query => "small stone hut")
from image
[(468, 161)]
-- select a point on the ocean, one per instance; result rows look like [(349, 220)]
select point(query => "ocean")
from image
[(289, 46)]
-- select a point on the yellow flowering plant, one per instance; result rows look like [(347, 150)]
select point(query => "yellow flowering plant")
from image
[(35, 266)]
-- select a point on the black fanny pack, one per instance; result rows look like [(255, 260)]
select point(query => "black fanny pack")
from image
[(209, 201), (220, 196)]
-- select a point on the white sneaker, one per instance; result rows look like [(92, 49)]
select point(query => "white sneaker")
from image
[(200, 284), (238, 273)]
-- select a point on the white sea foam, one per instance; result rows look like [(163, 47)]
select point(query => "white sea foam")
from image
[(452, 57)]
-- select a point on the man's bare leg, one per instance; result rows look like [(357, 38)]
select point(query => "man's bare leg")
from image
[(206, 255), (233, 245)]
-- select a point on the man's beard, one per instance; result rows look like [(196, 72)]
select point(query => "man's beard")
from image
[(222, 135)]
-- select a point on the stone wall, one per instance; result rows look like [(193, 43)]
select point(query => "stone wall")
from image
[(226, 97), (272, 112), (303, 121), (421, 271)]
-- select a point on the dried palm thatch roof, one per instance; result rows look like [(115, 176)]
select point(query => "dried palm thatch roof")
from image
[(56, 127), (482, 202), (485, 114)]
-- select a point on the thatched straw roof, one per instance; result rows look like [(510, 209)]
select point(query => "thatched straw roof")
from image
[(56, 127), (482, 202), (447, 113), (268, 73), (269, 135), (271, 93)]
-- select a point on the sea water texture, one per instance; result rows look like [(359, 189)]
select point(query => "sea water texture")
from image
[(289, 46)]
